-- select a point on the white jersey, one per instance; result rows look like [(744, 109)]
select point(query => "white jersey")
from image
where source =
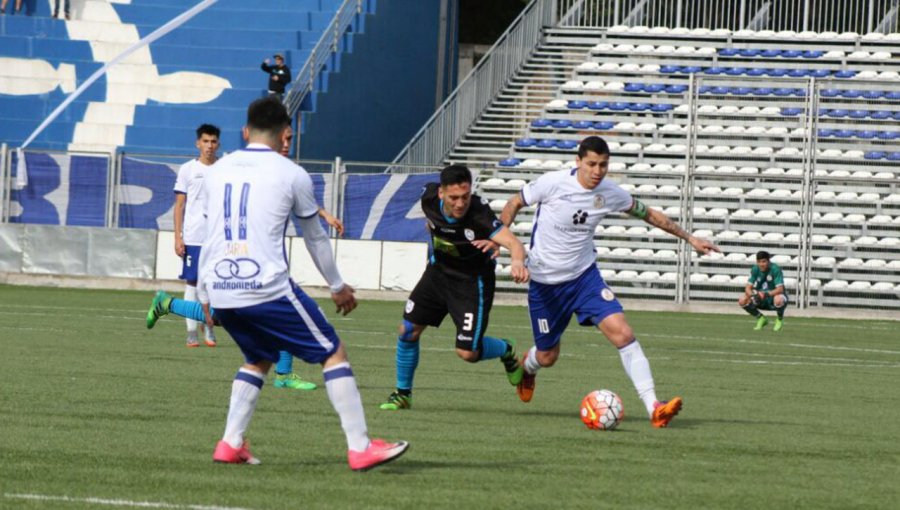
[(250, 196), (190, 183), (562, 239)]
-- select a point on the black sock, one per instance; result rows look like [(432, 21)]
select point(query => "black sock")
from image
[(752, 310), (405, 393), (780, 311)]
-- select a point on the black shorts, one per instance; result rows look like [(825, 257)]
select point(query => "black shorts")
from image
[(467, 300)]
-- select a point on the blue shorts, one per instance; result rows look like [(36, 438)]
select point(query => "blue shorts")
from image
[(551, 306), (293, 323), (189, 263)]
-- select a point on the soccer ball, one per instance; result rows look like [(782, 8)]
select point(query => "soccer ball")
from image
[(602, 410)]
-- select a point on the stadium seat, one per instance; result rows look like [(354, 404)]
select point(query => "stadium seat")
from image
[(860, 285), (837, 285)]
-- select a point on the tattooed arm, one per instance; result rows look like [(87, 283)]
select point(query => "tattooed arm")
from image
[(663, 222)]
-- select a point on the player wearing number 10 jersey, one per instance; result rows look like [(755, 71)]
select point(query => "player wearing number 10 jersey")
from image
[(244, 274)]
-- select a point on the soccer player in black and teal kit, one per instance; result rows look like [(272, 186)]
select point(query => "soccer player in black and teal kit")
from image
[(459, 280), (765, 291)]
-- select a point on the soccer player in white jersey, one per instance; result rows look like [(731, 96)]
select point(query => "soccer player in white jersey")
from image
[(244, 275), (190, 224), (563, 266)]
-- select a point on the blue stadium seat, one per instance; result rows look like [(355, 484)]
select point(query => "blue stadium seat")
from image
[(676, 89), (654, 88), (844, 133), (669, 69), (874, 155), (598, 105), (819, 73), (546, 144), (762, 91), (791, 54), (823, 112), (894, 156), (604, 125), (634, 87), (838, 113), (770, 53), (705, 89), (798, 92), (639, 107), (561, 124), (577, 104), (844, 74), (791, 112), (895, 115), (759, 71), (741, 91), (813, 54), (662, 108), (526, 142), (566, 144), (873, 94), (541, 123), (776, 73), (721, 91), (510, 162), (880, 115), (894, 94), (858, 114), (713, 71), (829, 92), (888, 135), (825, 133), (583, 124), (735, 71), (729, 52), (851, 93), (798, 73), (749, 52), (781, 91), (619, 106), (690, 69), (867, 134)]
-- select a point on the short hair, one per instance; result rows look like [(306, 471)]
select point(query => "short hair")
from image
[(455, 174), (268, 115), (592, 144), (762, 255), (208, 129)]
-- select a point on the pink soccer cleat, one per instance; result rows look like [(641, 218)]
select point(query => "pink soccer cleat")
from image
[(378, 453), (226, 454)]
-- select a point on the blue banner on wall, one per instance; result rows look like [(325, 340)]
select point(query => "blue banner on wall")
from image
[(385, 207), (62, 190), (146, 195)]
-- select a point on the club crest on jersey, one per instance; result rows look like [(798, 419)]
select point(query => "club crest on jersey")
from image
[(410, 305), (598, 202), (607, 294), (470, 234)]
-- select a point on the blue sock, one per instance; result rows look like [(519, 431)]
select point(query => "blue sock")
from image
[(407, 361), (492, 347), (285, 363), (188, 309)]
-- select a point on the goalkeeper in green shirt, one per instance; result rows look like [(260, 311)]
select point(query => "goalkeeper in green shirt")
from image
[(765, 291)]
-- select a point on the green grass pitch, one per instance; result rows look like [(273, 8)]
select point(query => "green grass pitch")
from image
[(98, 412)]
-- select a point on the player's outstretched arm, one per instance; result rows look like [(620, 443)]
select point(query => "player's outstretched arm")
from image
[(505, 238), (660, 220), (511, 209)]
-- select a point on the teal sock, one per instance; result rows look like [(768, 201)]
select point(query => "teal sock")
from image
[(285, 363), (492, 347), (188, 309), (407, 361)]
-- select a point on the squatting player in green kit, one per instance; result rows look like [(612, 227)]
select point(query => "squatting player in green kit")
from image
[(765, 291)]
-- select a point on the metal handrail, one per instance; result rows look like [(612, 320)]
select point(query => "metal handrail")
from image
[(328, 44), (474, 93)]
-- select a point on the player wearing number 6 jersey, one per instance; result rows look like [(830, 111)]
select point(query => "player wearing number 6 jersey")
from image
[(563, 266), (244, 274)]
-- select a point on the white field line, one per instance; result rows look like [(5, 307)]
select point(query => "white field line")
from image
[(118, 502)]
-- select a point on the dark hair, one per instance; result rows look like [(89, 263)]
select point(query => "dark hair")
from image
[(267, 114), (762, 255), (592, 144), (455, 174), (208, 129)]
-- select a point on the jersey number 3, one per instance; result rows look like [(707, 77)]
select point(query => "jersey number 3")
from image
[(242, 212)]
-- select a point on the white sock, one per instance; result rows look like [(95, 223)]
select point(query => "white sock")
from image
[(244, 394), (344, 396), (531, 363), (190, 294), (638, 369)]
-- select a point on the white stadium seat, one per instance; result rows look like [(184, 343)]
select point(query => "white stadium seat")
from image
[(888, 242), (792, 238), (497, 205), (839, 240), (773, 237), (642, 253), (573, 85), (736, 257), (751, 235), (649, 276), (743, 213), (627, 275), (875, 263), (850, 262), (865, 241), (836, 285), (668, 277), (883, 287), (758, 192), (607, 274), (720, 278), (594, 85), (665, 254), (699, 278), (788, 215), (880, 219), (636, 231), (728, 234), (781, 259), (855, 218), (717, 212), (825, 261), (860, 285)]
